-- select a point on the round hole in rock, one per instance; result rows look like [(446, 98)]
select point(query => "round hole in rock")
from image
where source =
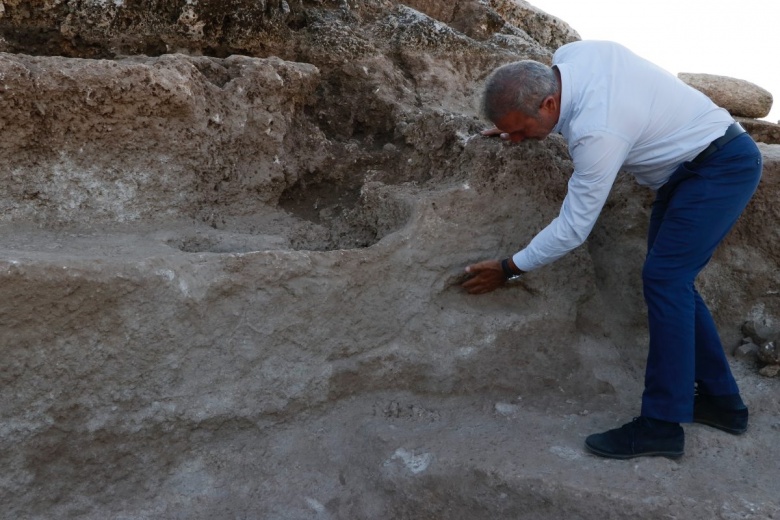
[(343, 216), (322, 216)]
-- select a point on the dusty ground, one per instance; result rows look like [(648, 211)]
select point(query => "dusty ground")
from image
[(228, 278)]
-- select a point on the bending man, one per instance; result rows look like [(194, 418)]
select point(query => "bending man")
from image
[(619, 111)]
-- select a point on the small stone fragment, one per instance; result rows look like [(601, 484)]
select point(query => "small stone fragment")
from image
[(746, 351), (758, 331), (769, 354), (506, 409), (770, 370)]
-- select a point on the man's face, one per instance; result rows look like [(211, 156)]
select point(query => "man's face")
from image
[(519, 126)]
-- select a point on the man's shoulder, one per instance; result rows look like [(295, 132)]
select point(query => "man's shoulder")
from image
[(586, 48)]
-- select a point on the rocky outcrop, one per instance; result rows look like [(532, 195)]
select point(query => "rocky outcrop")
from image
[(99, 141), (741, 98), (761, 344), (761, 131), (744, 100), (233, 234), (96, 29)]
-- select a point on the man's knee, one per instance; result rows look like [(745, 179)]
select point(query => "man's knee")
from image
[(656, 273)]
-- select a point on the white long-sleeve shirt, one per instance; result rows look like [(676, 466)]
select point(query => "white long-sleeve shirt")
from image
[(618, 111)]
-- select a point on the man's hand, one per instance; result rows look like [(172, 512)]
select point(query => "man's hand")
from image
[(486, 276), (495, 132)]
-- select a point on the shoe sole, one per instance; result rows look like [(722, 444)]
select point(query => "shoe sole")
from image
[(667, 454), (712, 424)]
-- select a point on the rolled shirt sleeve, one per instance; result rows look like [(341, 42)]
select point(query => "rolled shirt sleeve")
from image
[(597, 158)]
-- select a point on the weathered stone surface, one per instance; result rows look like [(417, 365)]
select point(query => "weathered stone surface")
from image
[(761, 131), (747, 351), (269, 27), (769, 353), (482, 20), (770, 370), (741, 98), (760, 331), (228, 284), (143, 139), (548, 30)]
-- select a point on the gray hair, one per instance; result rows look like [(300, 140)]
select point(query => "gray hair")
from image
[(518, 86)]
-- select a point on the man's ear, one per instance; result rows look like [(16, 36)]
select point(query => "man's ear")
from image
[(550, 103)]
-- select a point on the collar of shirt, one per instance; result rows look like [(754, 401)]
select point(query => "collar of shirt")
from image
[(566, 99)]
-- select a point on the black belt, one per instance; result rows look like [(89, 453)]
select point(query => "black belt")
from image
[(731, 132)]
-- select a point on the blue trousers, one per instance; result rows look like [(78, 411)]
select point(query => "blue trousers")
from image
[(691, 215)]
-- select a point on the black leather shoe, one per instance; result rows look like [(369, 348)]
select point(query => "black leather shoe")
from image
[(641, 437), (707, 411)]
